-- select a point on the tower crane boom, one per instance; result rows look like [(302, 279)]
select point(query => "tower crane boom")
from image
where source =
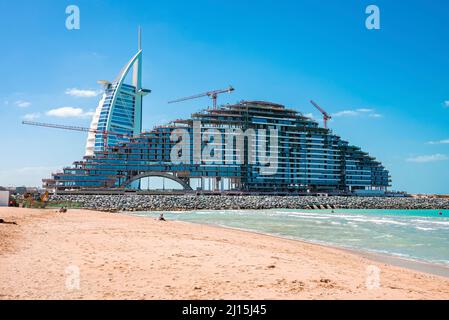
[(104, 133), (326, 116), (211, 94)]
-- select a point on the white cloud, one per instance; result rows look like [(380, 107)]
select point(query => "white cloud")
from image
[(446, 104), (346, 113), (445, 141), (74, 92), (23, 104), (32, 116), (69, 112), (309, 115), (358, 112), (428, 158)]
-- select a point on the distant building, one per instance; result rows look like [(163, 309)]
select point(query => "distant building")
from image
[(21, 190), (4, 198)]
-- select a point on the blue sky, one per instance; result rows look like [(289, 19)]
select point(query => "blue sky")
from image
[(388, 89)]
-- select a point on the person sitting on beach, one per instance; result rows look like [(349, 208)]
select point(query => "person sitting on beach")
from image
[(6, 222), (161, 217), (63, 210)]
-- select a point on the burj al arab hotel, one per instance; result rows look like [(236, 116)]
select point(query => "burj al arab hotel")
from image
[(120, 108)]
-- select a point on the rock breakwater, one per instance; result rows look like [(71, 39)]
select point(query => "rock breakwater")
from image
[(205, 202)]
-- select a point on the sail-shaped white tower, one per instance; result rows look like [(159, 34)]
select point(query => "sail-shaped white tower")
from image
[(120, 108)]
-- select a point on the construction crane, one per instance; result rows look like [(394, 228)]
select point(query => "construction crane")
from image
[(326, 116), (211, 94), (104, 133)]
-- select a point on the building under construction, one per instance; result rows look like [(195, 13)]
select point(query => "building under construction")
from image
[(308, 158)]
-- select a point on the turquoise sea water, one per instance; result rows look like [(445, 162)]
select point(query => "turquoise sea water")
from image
[(421, 235)]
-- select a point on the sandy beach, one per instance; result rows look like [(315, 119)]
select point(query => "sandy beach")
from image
[(128, 257)]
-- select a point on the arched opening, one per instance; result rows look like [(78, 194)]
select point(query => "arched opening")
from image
[(155, 181), (156, 184)]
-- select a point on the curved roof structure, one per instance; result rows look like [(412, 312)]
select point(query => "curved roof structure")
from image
[(208, 152)]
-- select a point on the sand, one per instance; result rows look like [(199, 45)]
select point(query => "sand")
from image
[(129, 257)]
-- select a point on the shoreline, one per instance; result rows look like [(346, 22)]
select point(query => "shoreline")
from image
[(124, 256), (390, 259), (410, 264)]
